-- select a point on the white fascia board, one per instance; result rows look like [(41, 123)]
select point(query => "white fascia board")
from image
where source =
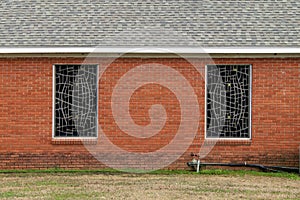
[(249, 50), (159, 50)]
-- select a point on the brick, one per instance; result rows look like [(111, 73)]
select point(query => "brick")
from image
[(26, 114)]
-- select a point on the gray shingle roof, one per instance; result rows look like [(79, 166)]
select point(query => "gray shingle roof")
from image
[(207, 23)]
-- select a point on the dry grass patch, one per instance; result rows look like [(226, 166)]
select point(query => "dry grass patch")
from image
[(146, 186)]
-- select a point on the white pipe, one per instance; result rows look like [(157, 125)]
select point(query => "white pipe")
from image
[(198, 165)]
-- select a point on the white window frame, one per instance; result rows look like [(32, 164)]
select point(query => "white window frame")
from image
[(250, 105), (54, 98)]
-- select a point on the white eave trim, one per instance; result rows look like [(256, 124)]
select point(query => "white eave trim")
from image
[(159, 50)]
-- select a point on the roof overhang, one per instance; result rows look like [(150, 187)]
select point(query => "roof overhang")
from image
[(153, 52), (159, 50)]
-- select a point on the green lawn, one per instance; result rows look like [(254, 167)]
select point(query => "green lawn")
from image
[(111, 184)]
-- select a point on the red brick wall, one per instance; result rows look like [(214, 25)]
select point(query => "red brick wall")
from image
[(26, 113)]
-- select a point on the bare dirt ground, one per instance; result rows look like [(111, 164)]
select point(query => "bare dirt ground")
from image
[(145, 186)]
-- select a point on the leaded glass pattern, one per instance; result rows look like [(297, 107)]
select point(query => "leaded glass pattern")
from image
[(228, 94), (75, 101)]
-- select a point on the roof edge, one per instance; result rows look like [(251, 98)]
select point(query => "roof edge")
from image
[(153, 50)]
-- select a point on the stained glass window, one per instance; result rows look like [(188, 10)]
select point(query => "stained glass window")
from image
[(228, 96), (75, 101)]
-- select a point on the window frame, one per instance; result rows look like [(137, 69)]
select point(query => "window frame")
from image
[(54, 101), (250, 106)]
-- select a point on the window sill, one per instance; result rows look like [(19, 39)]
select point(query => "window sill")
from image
[(74, 141), (229, 142)]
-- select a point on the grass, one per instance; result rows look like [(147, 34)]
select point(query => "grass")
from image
[(161, 184), (292, 176), (8, 194), (253, 173), (59, 170)]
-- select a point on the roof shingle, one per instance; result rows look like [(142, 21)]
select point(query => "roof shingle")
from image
[(206, 23)]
